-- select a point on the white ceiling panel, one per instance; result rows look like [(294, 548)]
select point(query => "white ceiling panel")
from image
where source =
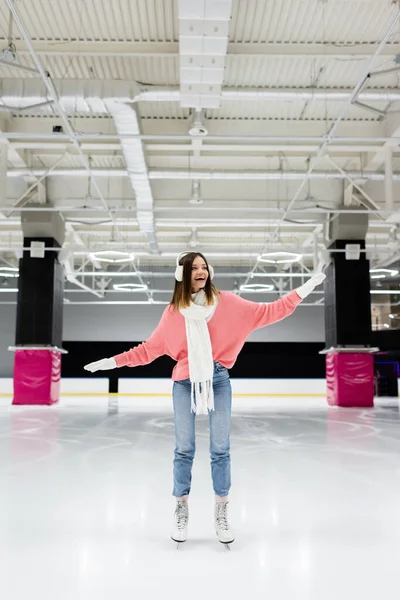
[(106, 20), (310, 21)]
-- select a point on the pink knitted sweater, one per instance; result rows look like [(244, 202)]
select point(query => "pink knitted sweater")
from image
[(232, 322)]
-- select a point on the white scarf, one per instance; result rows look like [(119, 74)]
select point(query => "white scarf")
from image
[(201, 364)]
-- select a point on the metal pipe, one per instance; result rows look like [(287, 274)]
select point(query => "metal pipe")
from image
[(210, 175), (372, 109), (14, 65), (104, 137), (158, 93), (384, 72), (25, 108), (197, 209), (322, 95), (214, 254), (240, 148)]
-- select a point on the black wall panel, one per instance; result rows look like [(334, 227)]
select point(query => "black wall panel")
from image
[(256, 360), (40, 300), (347, 299)]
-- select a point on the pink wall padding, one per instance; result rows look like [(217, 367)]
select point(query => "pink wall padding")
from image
[(350, 379), (37, 375)]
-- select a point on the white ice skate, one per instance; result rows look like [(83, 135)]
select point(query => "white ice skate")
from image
[(181, 520), (224, 533)]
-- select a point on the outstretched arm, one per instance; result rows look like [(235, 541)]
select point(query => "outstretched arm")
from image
[(143, 354), (260, 315)]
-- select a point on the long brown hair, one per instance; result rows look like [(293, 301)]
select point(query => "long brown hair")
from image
[(183, 289)]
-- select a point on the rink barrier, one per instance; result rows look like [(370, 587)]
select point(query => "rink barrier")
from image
[(162, 388), (255, 388)]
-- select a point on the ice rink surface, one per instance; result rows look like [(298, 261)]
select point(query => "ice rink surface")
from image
[(86, 506)]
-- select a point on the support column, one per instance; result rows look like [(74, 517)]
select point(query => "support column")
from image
[(38, 339), (349, 362)]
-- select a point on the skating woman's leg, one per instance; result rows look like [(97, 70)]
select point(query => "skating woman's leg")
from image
[(220, 423), (185, 443)]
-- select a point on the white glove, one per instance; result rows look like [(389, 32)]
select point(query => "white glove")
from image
[(101, 365), (308, 287)]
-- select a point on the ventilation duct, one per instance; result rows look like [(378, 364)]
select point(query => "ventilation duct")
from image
[(203, 42), (127, 123)]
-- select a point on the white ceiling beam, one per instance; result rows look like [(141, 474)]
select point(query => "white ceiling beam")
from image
[(260, 49), (113, 147), (177, 227), (305, 49), (176, 174), (100, 129), (179, 205), (254, 148), (81, 96)]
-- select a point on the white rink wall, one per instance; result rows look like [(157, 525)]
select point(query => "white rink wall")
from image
[(145, 395), (142, 387)]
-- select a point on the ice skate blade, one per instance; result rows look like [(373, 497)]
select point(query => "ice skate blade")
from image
[(226, 544), (178, 542)]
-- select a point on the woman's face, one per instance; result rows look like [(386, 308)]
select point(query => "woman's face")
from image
[(199, 274)]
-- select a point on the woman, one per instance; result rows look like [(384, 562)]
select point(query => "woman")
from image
[(204, 330)]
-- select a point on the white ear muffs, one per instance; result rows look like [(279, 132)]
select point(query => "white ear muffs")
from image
[(179, 268)]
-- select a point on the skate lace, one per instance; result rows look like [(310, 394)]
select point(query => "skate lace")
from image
[(181, 515), (222, 517)]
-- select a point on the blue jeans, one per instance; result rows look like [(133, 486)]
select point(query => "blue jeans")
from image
[(185, 445)]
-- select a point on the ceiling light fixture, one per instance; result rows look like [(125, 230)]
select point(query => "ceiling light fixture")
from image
[(196, 193), (193, 239), (130, 287), (197, 127), (382, 273), (9, 272), (276, 258), (257, 287), (112, 256)]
